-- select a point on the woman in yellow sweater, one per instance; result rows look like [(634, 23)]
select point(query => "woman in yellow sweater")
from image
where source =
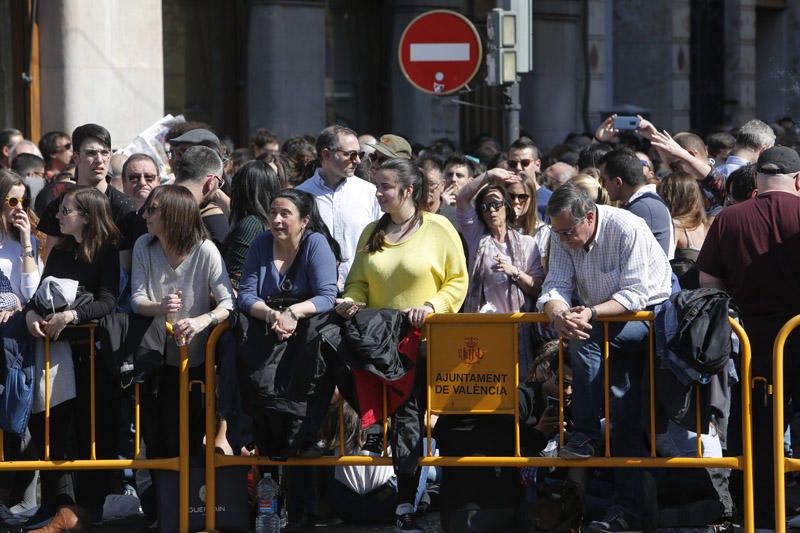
[(413, 261)]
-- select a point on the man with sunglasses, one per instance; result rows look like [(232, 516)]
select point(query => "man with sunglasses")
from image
[(607, 259), (346, 203), (523, 159), (56, 148)]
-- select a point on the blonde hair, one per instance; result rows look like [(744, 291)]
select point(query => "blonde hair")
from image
[(592, 186)]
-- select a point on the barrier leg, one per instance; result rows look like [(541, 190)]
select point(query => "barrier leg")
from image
[(183, 472), (779, 467), (211, 434)]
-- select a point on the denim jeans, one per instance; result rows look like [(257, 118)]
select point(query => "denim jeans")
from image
[(628, 342)]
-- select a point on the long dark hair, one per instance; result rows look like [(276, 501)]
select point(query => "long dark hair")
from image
[(307, 207), (407, 174), (479, 198), (180, 217), (99, 230), (252, 188)]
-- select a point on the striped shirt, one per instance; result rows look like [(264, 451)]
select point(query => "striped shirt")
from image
[(624, 262)]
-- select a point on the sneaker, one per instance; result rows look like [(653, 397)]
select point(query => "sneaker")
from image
[(579, 446), (405, 523), (617, 520)]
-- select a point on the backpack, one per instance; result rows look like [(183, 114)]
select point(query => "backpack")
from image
[(703, 337), (16, 375)]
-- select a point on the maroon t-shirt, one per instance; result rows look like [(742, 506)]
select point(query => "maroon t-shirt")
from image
[(754, 247)]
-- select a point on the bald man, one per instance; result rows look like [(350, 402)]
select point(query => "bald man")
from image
[(558, 174)]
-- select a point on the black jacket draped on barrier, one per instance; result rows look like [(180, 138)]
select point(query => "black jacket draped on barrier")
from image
[(295, 378)]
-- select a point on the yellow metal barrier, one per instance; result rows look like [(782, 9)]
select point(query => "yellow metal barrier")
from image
[(782, 464), (179, 464), (474, 322)]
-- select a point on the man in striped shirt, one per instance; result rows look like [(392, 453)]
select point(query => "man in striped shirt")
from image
[(608, 261)]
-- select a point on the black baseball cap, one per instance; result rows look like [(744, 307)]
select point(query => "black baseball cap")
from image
[(778, 160)]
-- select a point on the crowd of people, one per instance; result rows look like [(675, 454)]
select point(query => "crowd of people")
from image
[(326, 253)]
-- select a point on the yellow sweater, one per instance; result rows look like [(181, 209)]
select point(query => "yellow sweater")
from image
[(428, 267)]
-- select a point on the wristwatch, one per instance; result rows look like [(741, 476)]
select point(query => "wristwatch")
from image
[(213, 317), (594, 314), (27, 252)]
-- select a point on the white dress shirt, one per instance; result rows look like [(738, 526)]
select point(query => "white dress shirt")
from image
[(624, 262), (346, 210)]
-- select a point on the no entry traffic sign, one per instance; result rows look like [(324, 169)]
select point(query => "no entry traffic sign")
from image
[(440, 51)]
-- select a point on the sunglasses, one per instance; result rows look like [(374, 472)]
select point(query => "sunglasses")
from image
[(494, 206), (567, 232), (521, 197), (13, 202), (377, 158), (352, 155), (512, 163)]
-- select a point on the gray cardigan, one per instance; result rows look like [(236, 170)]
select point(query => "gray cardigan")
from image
[(199, 276)]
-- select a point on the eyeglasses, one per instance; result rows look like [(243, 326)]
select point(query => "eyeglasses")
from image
[(522, 198), (567, 232), (94, 154), (152, 209), (513, 163), (493, 206), (352, 155), (13, 202), (137, 177)]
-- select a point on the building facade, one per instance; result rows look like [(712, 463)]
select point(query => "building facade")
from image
[(295, 66)]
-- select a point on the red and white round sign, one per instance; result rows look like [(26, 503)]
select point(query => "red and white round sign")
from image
[(440, 51)]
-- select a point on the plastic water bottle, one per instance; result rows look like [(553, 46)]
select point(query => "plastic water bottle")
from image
[(268, 519)]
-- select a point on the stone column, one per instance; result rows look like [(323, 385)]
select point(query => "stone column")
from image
[(416, 115), (101, 61), (740, 60), (681, 92), (651, 59), (286, 66), (552, 93), (6, 84), (600, 44)]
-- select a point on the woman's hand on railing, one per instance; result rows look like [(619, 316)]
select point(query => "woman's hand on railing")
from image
[(417, 315), (171, 303), (55, 323), (34, 322), (187, 328)]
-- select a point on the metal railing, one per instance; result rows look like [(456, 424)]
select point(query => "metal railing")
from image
[(178, 464), (782, 464), (470, 321)]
